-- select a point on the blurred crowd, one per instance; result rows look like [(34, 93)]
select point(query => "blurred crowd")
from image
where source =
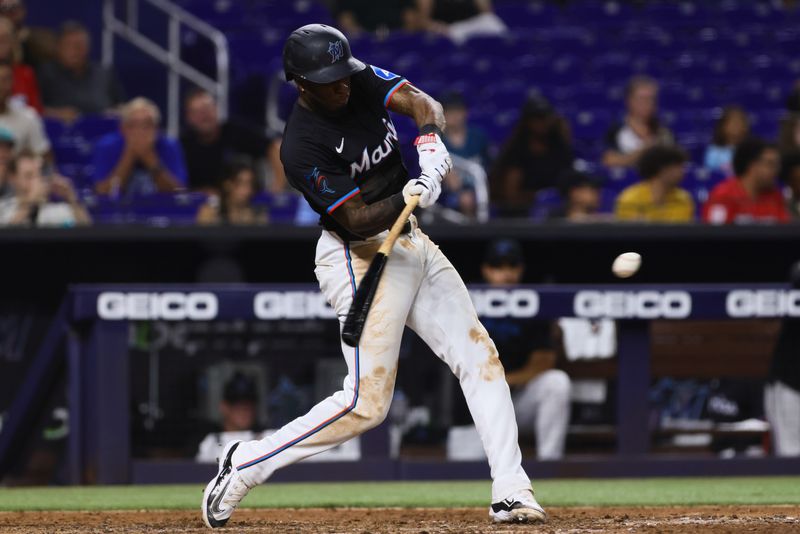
[(232, 170)]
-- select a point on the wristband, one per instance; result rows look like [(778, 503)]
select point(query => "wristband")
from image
[(431, 128)]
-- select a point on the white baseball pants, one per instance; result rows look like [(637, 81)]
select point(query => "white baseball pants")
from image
[(543, 406), (421, 289), (782, 407)]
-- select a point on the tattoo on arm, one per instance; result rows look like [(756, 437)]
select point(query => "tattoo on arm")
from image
[(367, 220), (410, 101)]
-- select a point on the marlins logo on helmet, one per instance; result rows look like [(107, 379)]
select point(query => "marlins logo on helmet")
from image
[(335, 50)]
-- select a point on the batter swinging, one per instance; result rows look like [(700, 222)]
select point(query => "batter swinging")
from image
[(340, 149)]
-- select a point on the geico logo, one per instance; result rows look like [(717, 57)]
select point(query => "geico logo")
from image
[(763, 303), (505, 302), (291, 305), (633, 304), (169, 306)]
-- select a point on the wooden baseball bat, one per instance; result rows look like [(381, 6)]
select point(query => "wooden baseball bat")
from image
[(359, 308)]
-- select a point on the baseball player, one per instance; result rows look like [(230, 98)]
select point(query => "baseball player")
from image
[(341, 150)]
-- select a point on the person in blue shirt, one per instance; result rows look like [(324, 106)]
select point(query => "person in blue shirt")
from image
[(138, 160), (462, 139)]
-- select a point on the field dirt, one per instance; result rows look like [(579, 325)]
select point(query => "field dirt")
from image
[(416, 521)]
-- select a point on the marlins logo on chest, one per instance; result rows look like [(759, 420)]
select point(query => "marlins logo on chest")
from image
[(377, 154)]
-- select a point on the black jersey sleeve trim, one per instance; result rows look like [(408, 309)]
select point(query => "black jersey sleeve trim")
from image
[(342, 200)]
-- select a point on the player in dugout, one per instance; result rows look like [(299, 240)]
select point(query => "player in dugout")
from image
[(341, 150)]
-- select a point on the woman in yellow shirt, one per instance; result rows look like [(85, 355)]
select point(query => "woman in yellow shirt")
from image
[(658, 197)]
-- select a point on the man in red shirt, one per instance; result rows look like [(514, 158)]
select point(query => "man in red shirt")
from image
[(751, 195)]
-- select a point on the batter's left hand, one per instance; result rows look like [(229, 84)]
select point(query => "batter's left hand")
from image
[(428, 189), (434, 160)]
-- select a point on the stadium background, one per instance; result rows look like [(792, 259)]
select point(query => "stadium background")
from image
[(578, 54)]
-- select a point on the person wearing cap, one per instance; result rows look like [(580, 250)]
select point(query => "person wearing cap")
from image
[(462, 138), (538, 151), (238, 410), (658, 198), (465, 141), (540, 391), (342, 151), (6, 154)]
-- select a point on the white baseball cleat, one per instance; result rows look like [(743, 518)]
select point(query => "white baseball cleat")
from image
[(520, 507), (225, 491)]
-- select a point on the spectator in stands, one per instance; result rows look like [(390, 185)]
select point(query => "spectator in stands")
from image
[(538, 151), (30, 204), (658, 197), (470, 143), (782, 391), (6, 155), (23, 121), (789, 136), (459, 19), (25, 86), (210, 144), (357, 16), (640, 128), (751, 195), (234, 206), (790, 176), (461, 138), (72, 85), (580, 196), (239, 411), (138, 160), (36, 45), (731, 129), (541, 393)]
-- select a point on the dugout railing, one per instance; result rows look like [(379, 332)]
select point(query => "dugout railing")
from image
[(94, 320)]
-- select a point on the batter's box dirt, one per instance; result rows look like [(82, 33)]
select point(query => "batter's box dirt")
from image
[(413, 521)]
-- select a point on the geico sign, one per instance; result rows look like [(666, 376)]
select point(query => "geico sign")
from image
[(169, 306), (763, 303), (633, 304), (505, 302), (291, 305)]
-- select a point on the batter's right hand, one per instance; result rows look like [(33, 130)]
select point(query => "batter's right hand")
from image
[(426, 187)]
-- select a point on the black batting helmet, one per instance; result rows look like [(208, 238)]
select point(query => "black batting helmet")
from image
[(319, 54)]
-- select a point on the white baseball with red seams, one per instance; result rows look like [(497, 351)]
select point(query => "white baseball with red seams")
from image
[(422, 290), (626, 264)]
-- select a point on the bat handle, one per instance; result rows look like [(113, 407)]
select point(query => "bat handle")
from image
[(397, 227)]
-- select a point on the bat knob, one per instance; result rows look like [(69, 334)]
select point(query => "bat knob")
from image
[(350, 338)]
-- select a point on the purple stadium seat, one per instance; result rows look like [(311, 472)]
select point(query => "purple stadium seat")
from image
[(544, 203), (525, 15), (92, 127)]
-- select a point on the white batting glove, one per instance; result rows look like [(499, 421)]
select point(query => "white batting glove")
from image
[(434, 160), (426, 187)]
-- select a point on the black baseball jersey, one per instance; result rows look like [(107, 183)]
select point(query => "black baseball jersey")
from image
[(332, 159)]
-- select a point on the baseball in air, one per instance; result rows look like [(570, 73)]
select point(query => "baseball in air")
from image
[(626, 264)]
